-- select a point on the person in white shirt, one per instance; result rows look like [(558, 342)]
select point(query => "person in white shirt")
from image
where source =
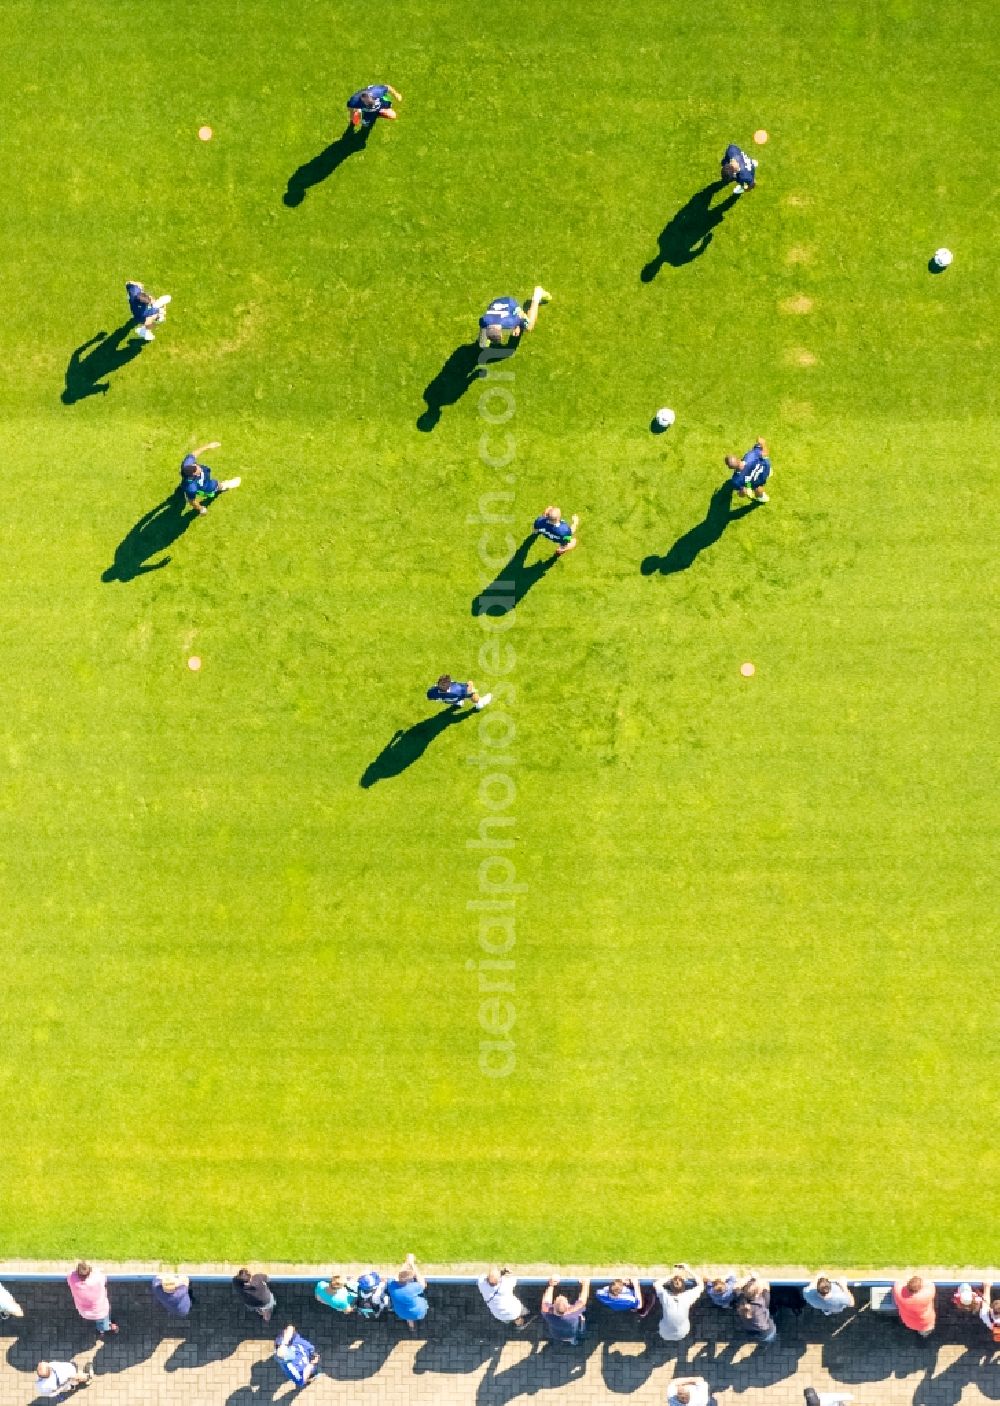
[(689, 1391), (497, 1288), (828, 1295), (61, 1378), (827, 1398), (676, 1296), (9, 1306)]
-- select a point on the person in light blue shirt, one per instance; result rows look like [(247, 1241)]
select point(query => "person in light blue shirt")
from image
[(751, 472), (337, 1293), (828, 1295), (406, 1294)]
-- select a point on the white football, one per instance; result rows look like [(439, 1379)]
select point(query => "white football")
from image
[(942, 257), (665, 418)]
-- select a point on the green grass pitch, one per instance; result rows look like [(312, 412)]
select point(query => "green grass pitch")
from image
[(753, 980)]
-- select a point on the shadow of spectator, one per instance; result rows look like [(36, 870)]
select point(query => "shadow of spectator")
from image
[(688, 233), (319, 168), (361, 1357), (51, 1329), (978, 1367), (624, 1372), (97, 358), (456, 1354), (265, 1384), (548, 1366)]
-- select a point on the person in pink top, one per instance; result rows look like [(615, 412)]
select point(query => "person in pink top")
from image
[(89, 1288), (914, 1300)]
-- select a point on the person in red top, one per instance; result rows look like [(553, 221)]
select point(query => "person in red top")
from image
[(914, 1300), (89, 1288)]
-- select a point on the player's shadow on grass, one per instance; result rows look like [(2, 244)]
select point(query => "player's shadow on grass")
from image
[(96, 359), (321, 167), (155, 531), (512, 582), (459, 372), (689, 233), (687, 548), (405, 748)]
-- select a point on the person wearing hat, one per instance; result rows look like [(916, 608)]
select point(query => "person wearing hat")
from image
[(828, 1295), (173, 1293), (373, 1297)]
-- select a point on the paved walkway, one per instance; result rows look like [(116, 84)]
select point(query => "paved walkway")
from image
[(220, 1356)]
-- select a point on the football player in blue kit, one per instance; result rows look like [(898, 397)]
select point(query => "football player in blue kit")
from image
[(739, 168), (751, 472), (503, 322), (374, 101)]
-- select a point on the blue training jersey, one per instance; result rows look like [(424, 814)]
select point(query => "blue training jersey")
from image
[(745, 167), (295, 1358), (454, 693), (505, 314), (625, 1302), (554, 531), (202, 484), (755, 469), (378, 91), (139, 309)]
